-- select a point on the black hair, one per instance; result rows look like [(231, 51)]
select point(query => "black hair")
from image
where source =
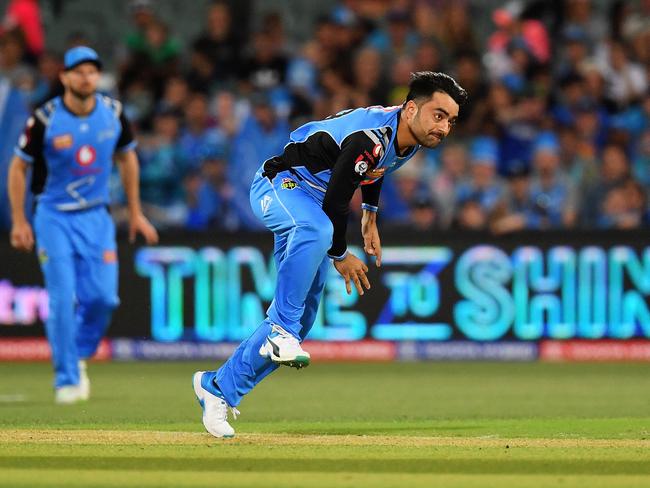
[(424, 84)]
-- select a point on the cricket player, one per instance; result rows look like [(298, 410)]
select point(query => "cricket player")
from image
[(303, 197), (69, 144)]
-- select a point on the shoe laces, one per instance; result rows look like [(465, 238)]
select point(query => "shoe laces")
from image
[(222, 410), (235, 412), (281, 332)]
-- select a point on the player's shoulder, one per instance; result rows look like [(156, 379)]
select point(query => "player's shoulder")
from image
[(110, 103), (376, 123), (375, 117), (45, 112)]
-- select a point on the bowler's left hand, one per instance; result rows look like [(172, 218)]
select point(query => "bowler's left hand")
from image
[(141, 224)]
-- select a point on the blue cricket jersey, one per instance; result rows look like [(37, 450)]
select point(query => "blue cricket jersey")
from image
[(72, 155), (332, 157)]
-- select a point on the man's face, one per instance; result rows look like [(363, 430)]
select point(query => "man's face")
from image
[(81, 80), (431, 121)]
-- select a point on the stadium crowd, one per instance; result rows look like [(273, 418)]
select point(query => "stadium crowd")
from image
[(556, 133)]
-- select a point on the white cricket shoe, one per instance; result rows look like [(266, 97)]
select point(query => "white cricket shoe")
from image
[(84, 382), (69, 394), (283, 348), (215, 410)]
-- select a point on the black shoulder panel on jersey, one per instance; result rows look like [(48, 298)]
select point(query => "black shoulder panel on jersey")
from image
[(356, 158), (318, 153)]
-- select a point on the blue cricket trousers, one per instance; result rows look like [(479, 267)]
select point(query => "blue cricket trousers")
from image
[(303, 235), (78, 256)]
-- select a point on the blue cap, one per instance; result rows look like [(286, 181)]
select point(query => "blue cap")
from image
[(78, 55), (547, 141), (484, 150)]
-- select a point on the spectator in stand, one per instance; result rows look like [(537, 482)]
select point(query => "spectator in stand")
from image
[(12, 53), (370, 87), (265, 68), (160, 169), (470, 216), (516, 209), (399, 79), (428, 56), (455, 27), (614, 171), (24, 16), (48, 84), (269, 134), (624, 207), (468, 73), (153, 58), (218, 43), (483, 186), (397, 39), (510, 26), (519, 127), (580, 15), (574, 52), (201, 76), (577, 161), (199, 137), (444, 184), (552, 193), (175, 96), (641, 164), (14, 110), (625, 79)]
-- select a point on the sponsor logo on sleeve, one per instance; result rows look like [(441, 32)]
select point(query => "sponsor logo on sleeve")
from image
[(110, 256), (373, 174), (360, 167)]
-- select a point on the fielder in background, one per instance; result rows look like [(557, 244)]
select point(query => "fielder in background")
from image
[(69, 143), (303, 196)]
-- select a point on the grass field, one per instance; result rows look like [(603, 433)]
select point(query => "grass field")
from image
[(331, 425)]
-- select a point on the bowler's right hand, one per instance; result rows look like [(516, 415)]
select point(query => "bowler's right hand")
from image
[(22, 237), (353, 269)]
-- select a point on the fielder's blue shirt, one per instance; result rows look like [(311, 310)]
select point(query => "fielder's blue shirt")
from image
[(72, 155)]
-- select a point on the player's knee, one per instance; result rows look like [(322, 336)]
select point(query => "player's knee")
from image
[(101, 302)]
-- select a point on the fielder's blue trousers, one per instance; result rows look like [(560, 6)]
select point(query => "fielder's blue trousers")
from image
[(77, 253)]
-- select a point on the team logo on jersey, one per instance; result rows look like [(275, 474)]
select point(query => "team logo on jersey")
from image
[(288, 184), (86, 155), (62, 142)]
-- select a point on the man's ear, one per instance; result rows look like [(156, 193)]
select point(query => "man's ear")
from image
[(411, 109)]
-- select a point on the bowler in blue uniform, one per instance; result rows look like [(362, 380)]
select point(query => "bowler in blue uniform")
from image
[(69, 144), (303, 197)]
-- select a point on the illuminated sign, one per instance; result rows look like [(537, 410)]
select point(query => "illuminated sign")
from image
[(481, 293), (22, 305)]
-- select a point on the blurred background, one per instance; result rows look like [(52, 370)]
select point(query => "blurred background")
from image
[(525, 229)]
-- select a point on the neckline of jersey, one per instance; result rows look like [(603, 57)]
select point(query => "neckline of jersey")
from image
[(69, 110)]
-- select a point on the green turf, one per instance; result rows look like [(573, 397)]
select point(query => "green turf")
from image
[(361, 425)]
